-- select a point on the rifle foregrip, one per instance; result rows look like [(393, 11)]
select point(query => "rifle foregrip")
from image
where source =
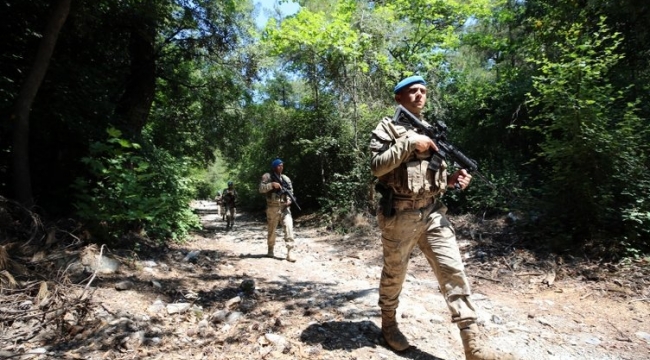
[(465, 162)]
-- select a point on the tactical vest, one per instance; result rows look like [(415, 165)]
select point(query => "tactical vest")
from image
[(412, 179), (272, 197)]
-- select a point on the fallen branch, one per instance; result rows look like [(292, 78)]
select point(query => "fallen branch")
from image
[(612, 289), (486, 278), (623, 337), (24, 315), (505, 261), (641, 299), (99, 259), (530, 274)]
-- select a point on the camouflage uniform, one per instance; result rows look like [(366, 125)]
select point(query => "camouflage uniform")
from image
[(411, 214), (419, 219), (229, 199), (220, 209), (277, 211)]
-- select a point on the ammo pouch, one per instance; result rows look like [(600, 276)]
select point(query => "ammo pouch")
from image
[(435, 162), (386, 201)]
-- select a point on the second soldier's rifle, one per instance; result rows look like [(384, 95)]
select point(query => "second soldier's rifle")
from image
[(438, 133), (285, 189)]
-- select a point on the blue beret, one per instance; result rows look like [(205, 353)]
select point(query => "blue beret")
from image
[(415, 79), (276, 162)]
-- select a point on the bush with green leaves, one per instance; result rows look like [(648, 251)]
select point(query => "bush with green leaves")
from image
[(594, 140), (204, 189), (348, 194), (135, 189)]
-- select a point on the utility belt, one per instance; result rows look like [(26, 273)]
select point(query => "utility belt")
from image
[(391, 203), (411, 204), (273, 198)]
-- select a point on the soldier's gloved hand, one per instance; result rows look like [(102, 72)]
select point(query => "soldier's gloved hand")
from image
[(276, 186), (423, 143)]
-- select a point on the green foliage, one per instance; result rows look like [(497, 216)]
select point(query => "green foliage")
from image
[(208, 182), (201, 62), (135, 189), (348, 193), (312, 88), (423, 31), (593, 137), (635, 213)]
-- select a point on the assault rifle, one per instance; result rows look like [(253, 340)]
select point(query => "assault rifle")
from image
[(438, 133), (285, 189)]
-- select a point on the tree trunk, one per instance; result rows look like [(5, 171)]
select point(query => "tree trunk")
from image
[(20, 116)]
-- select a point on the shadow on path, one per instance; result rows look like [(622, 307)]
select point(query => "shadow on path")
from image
[(350, 335), (417, 354)]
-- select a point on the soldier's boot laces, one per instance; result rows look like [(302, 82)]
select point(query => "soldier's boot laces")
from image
[(395, 339), (475, 349), (289, 257)]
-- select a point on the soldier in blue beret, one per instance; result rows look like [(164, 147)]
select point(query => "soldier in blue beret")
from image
[(278, 207), (412, 214), (415, 79)]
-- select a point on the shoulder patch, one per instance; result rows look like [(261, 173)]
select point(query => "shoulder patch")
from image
[(387, 130)]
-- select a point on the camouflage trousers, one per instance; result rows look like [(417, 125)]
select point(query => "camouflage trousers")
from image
[(434, 235), (274, 216), (229, 212)]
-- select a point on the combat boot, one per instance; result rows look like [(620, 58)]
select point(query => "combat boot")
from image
[(270, 252), (289, 257), (395, 339), (475, 349)]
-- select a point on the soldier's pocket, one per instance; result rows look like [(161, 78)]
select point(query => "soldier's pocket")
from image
[(415, 176), (385, 222), (437, 180)]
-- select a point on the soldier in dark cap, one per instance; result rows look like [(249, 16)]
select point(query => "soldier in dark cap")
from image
[(229, 198)]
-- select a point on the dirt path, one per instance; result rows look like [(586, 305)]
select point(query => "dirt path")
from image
[(324, 306)]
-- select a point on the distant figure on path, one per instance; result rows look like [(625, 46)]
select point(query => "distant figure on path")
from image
[(220, 209), (229, 198)]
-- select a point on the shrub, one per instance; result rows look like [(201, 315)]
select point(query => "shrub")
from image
[(133, 189)]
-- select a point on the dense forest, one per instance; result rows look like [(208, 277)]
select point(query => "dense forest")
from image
[(119, 113)]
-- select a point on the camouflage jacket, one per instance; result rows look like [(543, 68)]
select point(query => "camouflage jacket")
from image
[(229, 197), (272, 196), (396, 164)]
